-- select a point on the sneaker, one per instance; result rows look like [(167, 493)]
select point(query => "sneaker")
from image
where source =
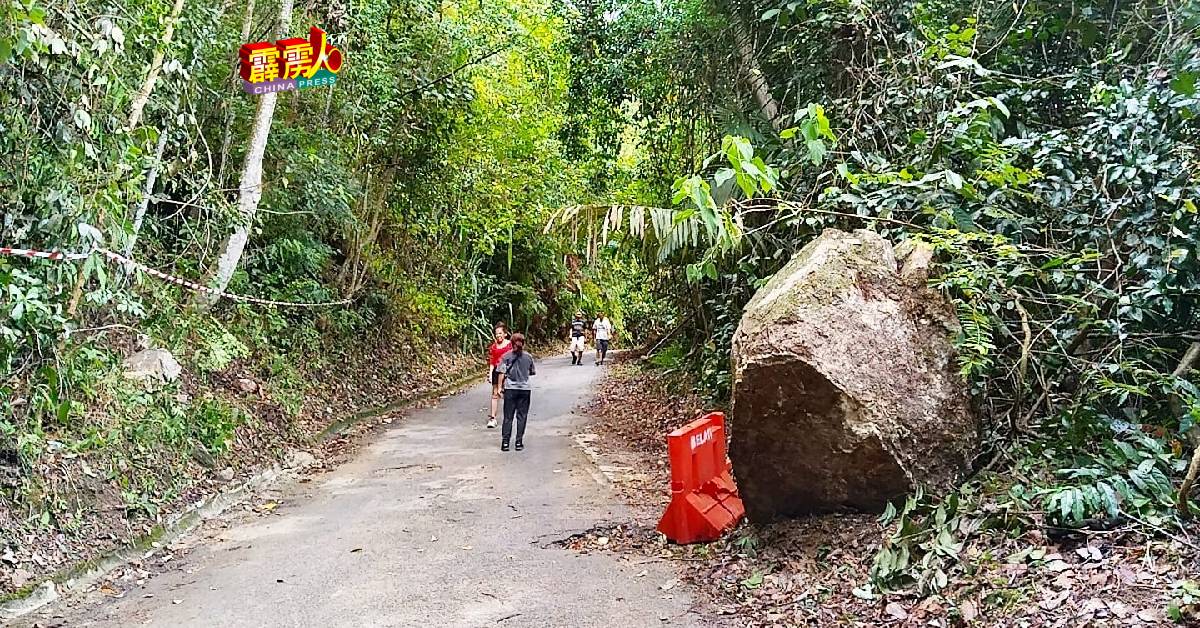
[(520, 445), (503, 446), (491, 423)]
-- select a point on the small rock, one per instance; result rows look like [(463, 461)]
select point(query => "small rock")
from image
[(247, 385), (225, 475), (300, 459), (153, 365)]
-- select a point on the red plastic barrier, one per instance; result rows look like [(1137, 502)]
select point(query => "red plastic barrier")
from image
[(704, 499)]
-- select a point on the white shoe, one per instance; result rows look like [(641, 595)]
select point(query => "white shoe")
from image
[(491, 424)]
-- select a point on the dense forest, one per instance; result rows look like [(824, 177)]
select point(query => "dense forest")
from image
[(516, 160)]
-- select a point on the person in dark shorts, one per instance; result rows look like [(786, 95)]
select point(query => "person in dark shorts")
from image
[(515, 369), (495, 352), (603, 330), (578, 338)]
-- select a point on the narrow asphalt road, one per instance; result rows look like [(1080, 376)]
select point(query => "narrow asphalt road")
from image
[(428, 525)]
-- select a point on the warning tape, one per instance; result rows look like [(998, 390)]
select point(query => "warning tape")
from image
[(51, 255), (153, 272)]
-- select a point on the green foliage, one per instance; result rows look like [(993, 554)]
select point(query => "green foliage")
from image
[(1047, 156), (670, 358), (217, 348), (927, 539), (212, 423), (1130, 474), (417, 187)]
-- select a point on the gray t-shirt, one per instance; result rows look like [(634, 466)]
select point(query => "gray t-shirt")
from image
[(517, 367)]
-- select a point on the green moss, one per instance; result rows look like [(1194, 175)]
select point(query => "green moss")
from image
[(823, 285)]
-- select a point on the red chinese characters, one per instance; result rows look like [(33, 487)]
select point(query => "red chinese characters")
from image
[(292, 59), (326, 56), (260, 62), (295, 57)]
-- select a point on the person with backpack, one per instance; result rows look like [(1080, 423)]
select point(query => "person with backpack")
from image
[(496, 351), (578, 338), (515, 369)]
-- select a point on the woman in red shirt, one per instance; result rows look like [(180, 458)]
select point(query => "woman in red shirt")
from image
[(495, 352)]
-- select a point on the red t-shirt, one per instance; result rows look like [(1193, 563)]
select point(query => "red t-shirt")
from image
[(496, 351)]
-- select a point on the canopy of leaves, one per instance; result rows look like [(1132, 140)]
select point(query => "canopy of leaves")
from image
[(1047, 151)]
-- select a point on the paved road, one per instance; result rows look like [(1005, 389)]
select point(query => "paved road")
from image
[(430, 525)]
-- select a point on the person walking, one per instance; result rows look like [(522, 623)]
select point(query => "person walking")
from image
[(603, 330), (496, 351), (515, 369), (578, 338)]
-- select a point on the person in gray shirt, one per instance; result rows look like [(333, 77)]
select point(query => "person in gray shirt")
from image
[(515, 368)]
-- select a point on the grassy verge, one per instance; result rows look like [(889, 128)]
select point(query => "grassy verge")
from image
[(122, 460)]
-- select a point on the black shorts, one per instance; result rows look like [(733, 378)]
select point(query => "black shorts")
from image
[(602, 345), (495, 376)]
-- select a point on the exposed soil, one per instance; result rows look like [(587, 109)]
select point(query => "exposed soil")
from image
[(812, 571)]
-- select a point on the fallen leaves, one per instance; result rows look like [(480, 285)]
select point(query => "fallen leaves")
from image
[(813, 571)]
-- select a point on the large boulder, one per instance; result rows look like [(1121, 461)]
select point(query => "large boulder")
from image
[(845, 392)]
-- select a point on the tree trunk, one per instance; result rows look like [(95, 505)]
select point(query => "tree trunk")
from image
[(143, 95), (151, 179), (1185, 364), (247, 22), (752, 74), (352, 255), (250, 187)]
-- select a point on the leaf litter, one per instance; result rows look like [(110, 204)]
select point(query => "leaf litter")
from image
[(816, 570)]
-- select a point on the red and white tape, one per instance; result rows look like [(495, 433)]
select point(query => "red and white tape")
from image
[(179, 281), (51, 255)]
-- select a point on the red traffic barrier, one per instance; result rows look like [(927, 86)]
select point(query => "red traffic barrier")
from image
[(704, 499)]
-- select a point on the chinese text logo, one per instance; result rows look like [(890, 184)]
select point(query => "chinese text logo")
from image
[(289, 64)]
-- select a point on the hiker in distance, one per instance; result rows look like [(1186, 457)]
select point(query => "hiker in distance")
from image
[(496, 351), (603, 329), (515, 368), (578, 338)]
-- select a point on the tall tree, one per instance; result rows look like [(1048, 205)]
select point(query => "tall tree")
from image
[(143, 95), (151, 178), (749, 67), (250, 187), (227, 132)]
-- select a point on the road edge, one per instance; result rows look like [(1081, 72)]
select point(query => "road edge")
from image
[(78, 577)]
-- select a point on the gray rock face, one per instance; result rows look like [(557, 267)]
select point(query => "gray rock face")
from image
[(846, 394), (153, 365)]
